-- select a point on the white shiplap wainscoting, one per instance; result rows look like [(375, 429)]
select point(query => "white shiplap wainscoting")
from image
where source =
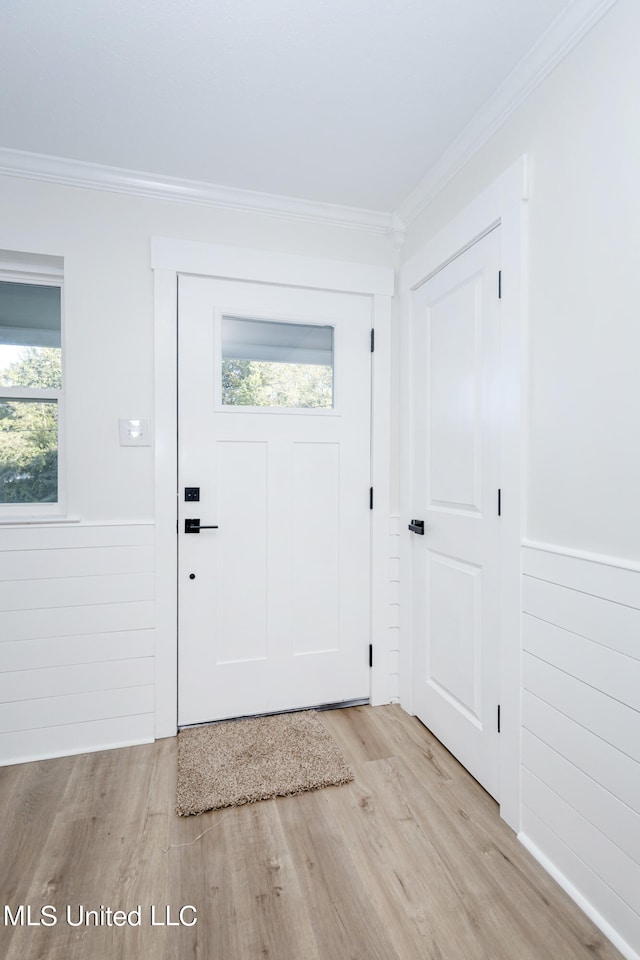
[(76, 638), (581, 731)]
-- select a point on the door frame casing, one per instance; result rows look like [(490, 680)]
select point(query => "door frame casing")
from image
[(503, 204), (169, 259)]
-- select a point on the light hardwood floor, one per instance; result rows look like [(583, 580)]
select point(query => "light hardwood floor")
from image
[(408, 862)]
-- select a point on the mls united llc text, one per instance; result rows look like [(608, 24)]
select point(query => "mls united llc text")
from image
[(47, 915)]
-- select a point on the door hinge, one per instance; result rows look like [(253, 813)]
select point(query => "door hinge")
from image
[(370, 498), (499, 502), (498, 718), (373, 338), (499, 284), (370, 654)]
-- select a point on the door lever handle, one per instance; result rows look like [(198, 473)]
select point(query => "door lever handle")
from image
[(194, 526), (417, 526)]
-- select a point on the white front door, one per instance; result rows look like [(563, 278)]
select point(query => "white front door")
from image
[(455, 492), (274, 441)]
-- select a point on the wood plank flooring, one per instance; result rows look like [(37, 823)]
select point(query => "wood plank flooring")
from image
[(408, 862)]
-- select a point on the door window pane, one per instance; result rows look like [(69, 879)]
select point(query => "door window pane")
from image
[(28, 451), (268, 363)]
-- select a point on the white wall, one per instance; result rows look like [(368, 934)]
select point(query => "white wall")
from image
[(104, 239), (77, 612), (581, 132), (581, 731), (581, 634)]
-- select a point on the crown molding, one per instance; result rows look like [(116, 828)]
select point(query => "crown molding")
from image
[(554, 45), (558, 40), (95, 176), (396, 231)]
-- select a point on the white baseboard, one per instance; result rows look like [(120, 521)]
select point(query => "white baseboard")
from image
[(625, 949)]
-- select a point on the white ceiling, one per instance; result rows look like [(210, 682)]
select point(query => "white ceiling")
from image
[(342, 101)]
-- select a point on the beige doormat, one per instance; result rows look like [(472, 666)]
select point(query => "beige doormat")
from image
[(241, 761)]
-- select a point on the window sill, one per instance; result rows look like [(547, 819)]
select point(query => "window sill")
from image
[(30, 520)]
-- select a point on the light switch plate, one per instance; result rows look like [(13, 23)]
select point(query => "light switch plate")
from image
[(135, 433)]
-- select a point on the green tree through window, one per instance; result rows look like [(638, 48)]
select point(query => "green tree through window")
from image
[(29, 429), (261, 383)]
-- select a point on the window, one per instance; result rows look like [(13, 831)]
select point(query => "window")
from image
[(269, 363), (30, 384)]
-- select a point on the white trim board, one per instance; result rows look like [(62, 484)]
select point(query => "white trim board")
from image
[(151, 186), (556, 43), (503, 203), (169, 258), (625, 948), (467, 227), (28, 267), (585, 555), (263, 266)]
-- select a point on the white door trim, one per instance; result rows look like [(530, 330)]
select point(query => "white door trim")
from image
[(503, 203), (169, 258)]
